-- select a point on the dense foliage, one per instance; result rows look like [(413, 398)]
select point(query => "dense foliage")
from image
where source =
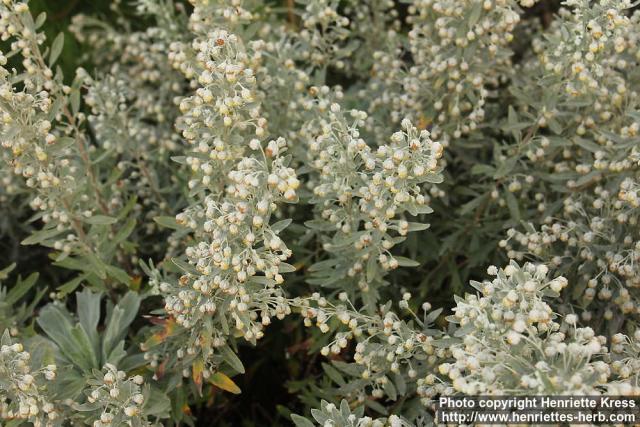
[(315, 212)]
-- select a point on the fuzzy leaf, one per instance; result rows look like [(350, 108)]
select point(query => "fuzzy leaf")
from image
[(301, 421), (406, 262), (41, 236), (89, 314), (21, 288), (232, 359), (119, 321), (277, 227), (56, 49), (167, 222), (101, 220)]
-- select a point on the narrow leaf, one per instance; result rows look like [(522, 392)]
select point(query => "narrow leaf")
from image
[(301, 421), (56, 49), (222, 381), (101, 220)]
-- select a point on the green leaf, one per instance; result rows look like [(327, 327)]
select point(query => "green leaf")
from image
[(333, 374), (124, 232), (62, 144), (555, 126), (117, 354), (406, 262), (4, 273), (417, 226), (56, 323), (505, 168), (179, 159), (482, 169), (323, 265), (119, 274), (588, 178), (261, 280), (301, 421), (158, 404), (131, 203), (434, 178), (21, 288), (401, 384), (74, 99), (85, 347), (512, 204), (98, 267), (390, 390), (319, 416), (231, 358), (101, 220), (476, 285), (319, 224), (71, 285), (41, 236), (474, 15), (376, 406), (421, 209), (345, 411), (352, 369), (40, 20), (89, 314), (56, 49), (432, 316), (184, 266), (371, 268), (280, 225), (167, 222), (286, 268), (587, 144), (118, 322), (464, 330)]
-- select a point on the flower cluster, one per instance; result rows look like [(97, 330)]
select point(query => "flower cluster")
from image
[(625, 355), (391, 353), (330, 415), (23, 393), (51, 149), (239, 249), (223, 108), (598, 30), (132, 106), (324, 35), (585, 145), (510, 328), (40, 153), (120, 399), (232, 277), (364, 195), (458, 50), (374, 23)]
